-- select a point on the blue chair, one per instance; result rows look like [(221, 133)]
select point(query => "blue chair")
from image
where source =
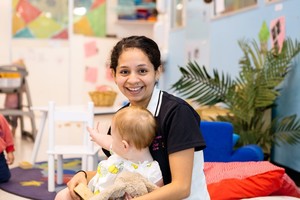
[(219, 138)]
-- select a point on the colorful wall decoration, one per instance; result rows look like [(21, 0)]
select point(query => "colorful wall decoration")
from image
[(46, 19), (90, 17)]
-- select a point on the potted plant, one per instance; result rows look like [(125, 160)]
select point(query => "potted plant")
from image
[(250, 95)]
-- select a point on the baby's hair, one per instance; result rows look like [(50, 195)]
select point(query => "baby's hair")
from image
[(136, 125)]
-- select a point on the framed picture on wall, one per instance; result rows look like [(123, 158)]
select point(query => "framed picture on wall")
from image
[(49, 19), (226, 7), (272, 1), (40, 19)]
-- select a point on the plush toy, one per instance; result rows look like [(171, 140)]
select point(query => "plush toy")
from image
[(127, 182), (131, 183)]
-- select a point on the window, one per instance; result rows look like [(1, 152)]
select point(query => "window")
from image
[(224, 7), (272, 1), (177, 14)]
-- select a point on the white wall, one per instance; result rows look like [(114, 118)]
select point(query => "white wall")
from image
[(182, 42), (5, 32), (225, 55), (57, 72), (47, 64), (57, 67)]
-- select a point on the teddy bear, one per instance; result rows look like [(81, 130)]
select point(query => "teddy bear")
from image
[(131, 183)]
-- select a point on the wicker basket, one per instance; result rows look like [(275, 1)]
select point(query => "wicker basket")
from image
[(103, 98)]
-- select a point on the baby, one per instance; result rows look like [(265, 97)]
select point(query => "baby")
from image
[(132, 131)]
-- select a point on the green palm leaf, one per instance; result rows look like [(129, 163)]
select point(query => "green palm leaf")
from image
[(196, 83), (287, 130), (250, 96)]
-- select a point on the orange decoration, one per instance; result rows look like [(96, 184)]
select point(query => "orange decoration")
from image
[(18, 24), (83, 27)]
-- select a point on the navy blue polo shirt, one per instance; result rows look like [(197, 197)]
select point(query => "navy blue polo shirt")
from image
[(178, 129)]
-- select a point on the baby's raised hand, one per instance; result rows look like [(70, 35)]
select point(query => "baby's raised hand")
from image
[(95, 135), (101, 139)]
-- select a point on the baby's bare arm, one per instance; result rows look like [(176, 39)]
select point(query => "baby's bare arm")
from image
[(101, 139)]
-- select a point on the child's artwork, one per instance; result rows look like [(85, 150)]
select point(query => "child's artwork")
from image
[(49, 18), (277, 28)]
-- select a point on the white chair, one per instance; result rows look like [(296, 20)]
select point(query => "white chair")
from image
[(86, 150)]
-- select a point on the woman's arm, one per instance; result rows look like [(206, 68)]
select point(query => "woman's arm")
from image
[(181, 165)]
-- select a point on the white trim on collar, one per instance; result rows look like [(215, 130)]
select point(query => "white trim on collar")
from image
[(155, 101)]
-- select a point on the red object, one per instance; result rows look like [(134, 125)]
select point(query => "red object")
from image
[(61, 35), (27, 11), (238, 180), (142, 13), (97, 3)]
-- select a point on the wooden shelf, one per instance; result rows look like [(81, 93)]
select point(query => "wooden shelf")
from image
[(134, 22)]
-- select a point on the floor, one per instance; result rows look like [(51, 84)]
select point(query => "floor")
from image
[(24, 145), (23, 153)]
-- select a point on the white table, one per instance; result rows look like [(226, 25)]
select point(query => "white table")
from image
[(44, 111)]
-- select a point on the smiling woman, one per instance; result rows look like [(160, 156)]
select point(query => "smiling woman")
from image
[(136, 65)]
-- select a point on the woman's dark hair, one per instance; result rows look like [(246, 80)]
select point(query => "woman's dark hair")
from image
[(147, 45)]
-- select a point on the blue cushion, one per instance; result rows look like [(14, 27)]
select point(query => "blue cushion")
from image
[(235, 139), (220, 140)]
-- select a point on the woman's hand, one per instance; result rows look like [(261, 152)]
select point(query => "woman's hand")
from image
[(76, 179)]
